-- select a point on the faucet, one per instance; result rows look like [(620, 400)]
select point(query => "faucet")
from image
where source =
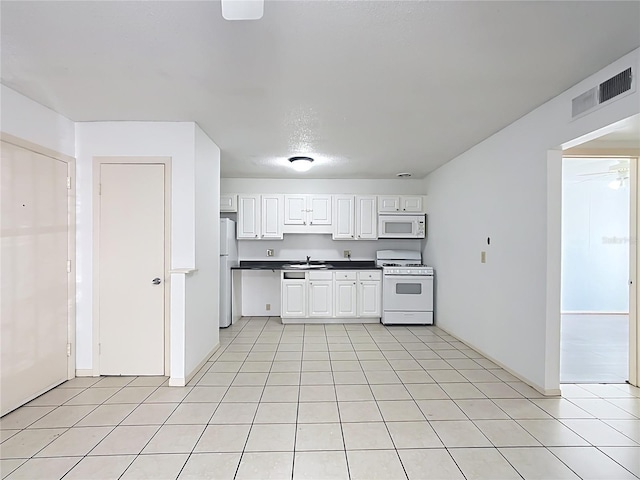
[(308, 259)]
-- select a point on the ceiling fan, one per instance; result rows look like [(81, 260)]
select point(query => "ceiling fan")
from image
[(619, 170)]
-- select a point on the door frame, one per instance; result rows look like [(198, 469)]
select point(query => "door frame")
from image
[(97, 163), (634, 267), (71, 241)]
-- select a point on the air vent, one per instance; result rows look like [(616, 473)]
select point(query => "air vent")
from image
[(615, 85), (607, 90)]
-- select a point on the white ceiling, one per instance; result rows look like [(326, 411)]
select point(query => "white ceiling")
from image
[(625, 135), (368, 88)]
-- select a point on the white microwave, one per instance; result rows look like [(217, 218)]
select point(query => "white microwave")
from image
[(402, 226)]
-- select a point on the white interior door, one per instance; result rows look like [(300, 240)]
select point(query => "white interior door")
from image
[(131, 269), (634, 268), (34, 311)]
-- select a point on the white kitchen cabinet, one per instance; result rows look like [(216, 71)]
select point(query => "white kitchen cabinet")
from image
[(272, 216), (228, 202), (369, 299), (413, 204), (320, 298), (295, 209), (345, 298), (400, 204), (366, 214), (370, 293), (308, 211), (319, 209), (249, 215), (294, 298), (344, 216), (260, 216)]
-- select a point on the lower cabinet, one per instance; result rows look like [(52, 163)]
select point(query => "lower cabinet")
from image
[(320, 298), (345, 298), (294, 298), (332, 294)]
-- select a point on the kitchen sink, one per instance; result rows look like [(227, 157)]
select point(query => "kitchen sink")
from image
[(306, 266)]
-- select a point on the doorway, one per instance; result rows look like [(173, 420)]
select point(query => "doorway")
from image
[(595, 269), (131, 236)]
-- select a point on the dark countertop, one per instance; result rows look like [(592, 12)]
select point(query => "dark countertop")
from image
[(335, 265)]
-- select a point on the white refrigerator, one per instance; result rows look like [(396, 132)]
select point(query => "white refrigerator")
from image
[(228, 259)]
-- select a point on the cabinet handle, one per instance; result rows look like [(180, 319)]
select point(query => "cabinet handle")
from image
[(310, 223), (256, 236)]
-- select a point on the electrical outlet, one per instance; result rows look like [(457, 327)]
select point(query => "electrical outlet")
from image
[(483, 257), (346, 253), (267, 307), (269, 252)]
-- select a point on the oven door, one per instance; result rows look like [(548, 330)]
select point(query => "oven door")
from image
[(408, 293)]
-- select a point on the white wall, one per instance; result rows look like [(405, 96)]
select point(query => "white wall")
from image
[(329, 186), (178, 141), (202, 287), (595, 239), (26, 119), (509, 308)]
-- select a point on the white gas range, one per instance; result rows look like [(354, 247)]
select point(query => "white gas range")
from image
[(407, 288)]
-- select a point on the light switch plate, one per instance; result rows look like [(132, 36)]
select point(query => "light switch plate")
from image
[(269, 252)]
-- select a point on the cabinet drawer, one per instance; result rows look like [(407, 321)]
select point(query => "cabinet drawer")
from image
[(370, 275), (345, 275), (325, 275)]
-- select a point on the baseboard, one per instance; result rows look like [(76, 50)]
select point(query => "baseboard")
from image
[(551, 392), (85, 372), (181, 382)]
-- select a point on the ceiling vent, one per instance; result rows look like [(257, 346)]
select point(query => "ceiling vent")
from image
[(606, 91)]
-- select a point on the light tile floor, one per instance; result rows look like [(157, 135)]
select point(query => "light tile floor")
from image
[(594, 348), (326, 402)]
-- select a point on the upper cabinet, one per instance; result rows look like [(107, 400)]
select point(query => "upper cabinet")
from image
[(400, 204), (307, 214), (307, 209), (366, 217), (355, 217), (228, 202), (260, 216), (344, 217)]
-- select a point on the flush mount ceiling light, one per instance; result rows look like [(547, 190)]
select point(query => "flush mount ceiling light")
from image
[(242, 9), (301, 164), (403, 174)]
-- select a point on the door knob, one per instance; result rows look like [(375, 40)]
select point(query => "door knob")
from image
[(156, 281)]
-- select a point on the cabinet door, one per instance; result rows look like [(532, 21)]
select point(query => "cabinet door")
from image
[(369, 301), (272, 216), (345, 299), (319, 207), (320, 298), (366, 218), (295, 209), (294, 298), (228, 202), (343, 217), (388, 203), (248, 216), (411, 204)]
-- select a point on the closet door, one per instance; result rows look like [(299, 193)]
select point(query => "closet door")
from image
[(34, 312)]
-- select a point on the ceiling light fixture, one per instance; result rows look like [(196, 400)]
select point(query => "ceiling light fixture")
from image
[(403, 174), (301, 164), (242, 9)]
